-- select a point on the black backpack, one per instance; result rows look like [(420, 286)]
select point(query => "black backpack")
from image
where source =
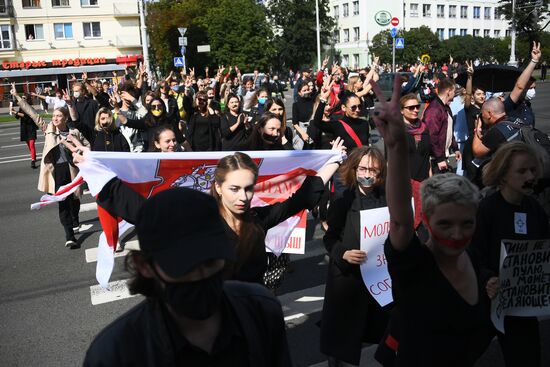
[(517, 130)]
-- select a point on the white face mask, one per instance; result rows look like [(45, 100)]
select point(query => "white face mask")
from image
[(76, 94), (531, 92)]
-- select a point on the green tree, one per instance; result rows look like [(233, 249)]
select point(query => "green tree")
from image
[(528, 15), (382, 46), (295, 31), (239, 34)]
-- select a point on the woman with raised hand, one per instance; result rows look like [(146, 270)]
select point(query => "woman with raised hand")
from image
[(234, 125), (511, 213), (108, 137), (351, 316), (57, 168), (234, 180), (441, 315)]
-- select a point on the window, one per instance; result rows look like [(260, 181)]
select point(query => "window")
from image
[(31, 3), (476, 32), (464, 12), (345, 10), (497, 33), (426, 10), (487, 13), (452, 32), (355, 61), (336, 36), (507, 33), (346, 60), (5, 37), (463, 32), (346, 35), (91, 30), (88, 2), (452, 11), (414, 10), (57, 3), (440, 33), (356, 33), (497, 13), (336, 11), (486, 33), (63, 30), (34, 32), (477, 12), (356, 8), (441, 11)]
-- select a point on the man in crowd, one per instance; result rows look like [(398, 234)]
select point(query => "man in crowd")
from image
[(191, 317)]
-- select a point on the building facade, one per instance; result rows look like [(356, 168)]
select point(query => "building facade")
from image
[(44, 41), (360, 20)]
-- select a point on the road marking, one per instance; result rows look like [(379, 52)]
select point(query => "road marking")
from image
[(28, 155), (88, 207), (85, 227), (6, 134), (20, 160), (295, 316), (310, 299), (91, 254), (118, 291), (20, 145)]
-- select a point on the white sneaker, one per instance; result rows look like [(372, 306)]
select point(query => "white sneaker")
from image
[(76, 229), (71, 244)]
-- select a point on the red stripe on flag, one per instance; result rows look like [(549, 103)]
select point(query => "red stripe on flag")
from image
[(68, 187), (109, 223)]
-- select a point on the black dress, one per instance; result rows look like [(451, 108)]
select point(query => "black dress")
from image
[(351, 315), (27, 127), (433, 324)]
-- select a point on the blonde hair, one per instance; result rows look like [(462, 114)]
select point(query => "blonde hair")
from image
[(447, 188), (497, 168), (104, 110)]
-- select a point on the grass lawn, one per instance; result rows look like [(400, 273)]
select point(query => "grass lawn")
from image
[(8, 118)]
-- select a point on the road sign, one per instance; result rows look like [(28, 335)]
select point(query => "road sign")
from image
[(203, 48), (395, 21), (382, 17), (399, 43), (178, 62), (393, 32), (182, 41), (182, 31)]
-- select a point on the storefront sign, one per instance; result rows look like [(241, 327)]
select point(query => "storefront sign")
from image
[(383, 17), (13, 65)]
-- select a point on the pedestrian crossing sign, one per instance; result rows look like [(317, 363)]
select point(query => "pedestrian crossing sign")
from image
[(399, 43), (178, 61)]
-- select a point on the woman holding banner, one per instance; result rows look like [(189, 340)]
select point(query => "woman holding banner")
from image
[(351, 315), (441, 314), (511, 213), (234, 180)]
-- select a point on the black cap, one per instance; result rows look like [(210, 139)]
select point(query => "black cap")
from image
[(182, 228)]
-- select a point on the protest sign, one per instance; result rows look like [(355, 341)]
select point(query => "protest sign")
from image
[(375, 226), (524, 281)]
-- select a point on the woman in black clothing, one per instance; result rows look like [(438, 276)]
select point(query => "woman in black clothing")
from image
[(418, 138), (234, 125), (301, 112), (235, 178), (441, 306), (513, 171), (267, 134), (108, 137), (27, 132), (155, 117), (353, 129), (277, 107), (351, 315), (203, 129)]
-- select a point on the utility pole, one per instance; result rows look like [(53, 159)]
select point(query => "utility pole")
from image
[(318, 35), (512, 61), (144, 41)]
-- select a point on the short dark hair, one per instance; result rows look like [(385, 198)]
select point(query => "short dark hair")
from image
[(444, 85)]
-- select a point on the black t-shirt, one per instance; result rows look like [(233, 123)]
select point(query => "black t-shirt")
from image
[(496, 220), (419, 156), (521, 110), (498, 134), (436, 326)]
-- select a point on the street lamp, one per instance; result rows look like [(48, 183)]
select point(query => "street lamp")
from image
[(318, 35), (512, 61), (144, 43)]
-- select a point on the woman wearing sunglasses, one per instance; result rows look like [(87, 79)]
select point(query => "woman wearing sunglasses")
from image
[(419, 149), (155, 117), (203, 129)]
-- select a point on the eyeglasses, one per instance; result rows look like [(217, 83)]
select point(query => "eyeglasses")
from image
[(156, 106), (202, 99), (355, 107), (413, 107)]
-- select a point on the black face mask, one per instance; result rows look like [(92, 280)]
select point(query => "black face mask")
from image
[(195, 300), (270, 138)]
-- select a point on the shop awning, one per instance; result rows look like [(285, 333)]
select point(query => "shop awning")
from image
[(58, 71)]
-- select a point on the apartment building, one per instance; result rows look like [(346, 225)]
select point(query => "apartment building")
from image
[(44, 41), (360, 20)]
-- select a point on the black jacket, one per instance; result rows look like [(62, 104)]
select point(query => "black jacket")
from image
[(140, 337), (112, 141), (86, 109)]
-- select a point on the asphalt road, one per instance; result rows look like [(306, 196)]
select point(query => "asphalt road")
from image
[(51, 307)]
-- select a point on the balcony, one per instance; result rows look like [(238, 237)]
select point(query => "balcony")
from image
[(125, 9)]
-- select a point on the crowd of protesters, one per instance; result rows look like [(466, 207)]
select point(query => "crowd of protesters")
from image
[(443, 257)]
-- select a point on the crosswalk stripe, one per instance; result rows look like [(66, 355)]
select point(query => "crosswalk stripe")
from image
[(91, 254), (118, 291), (88, 207), (20, 145)]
